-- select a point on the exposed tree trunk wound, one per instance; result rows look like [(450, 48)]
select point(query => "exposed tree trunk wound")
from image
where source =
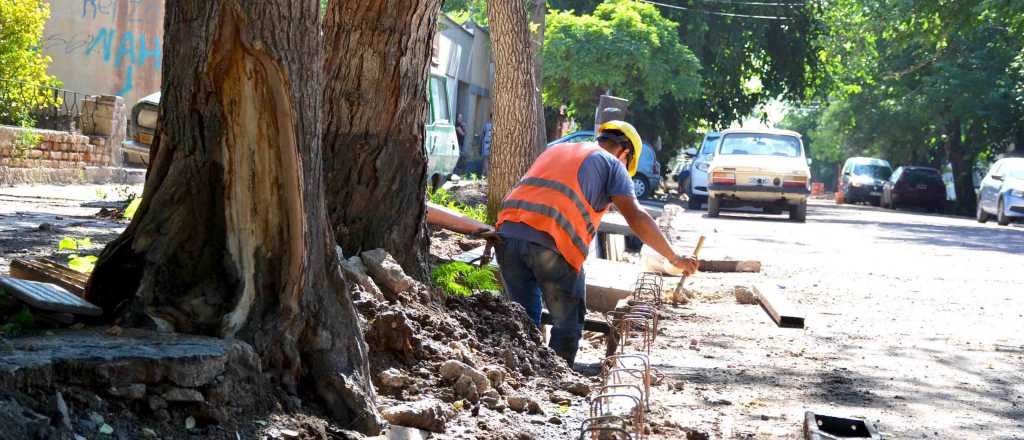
[(232, 238), (377, 61)]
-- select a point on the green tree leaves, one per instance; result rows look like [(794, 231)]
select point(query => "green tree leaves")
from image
[(22, 65)]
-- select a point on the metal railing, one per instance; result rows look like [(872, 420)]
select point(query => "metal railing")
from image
[(48, 107)]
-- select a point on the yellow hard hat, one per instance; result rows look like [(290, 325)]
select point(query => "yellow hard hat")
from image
[(634, 138)]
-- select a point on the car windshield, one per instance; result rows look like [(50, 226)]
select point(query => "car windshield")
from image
[(757, 144), (709, 146), (874, 171), (921, 176), (1015, 171)]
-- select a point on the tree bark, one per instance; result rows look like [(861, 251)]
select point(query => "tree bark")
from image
[(231, 238), (377, 61), (537, 22), (962, 162), (515, 140)]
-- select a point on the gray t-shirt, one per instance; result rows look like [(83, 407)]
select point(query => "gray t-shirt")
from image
[(601, 176)]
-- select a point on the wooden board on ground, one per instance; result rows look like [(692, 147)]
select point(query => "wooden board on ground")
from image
[(730, 266), (608, 282), (781, 311), (46, 271), (46, 296)]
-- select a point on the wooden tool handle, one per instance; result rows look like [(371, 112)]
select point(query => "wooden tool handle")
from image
[(700, 244)]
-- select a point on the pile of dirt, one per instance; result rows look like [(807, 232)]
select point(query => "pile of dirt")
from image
[(469, 365), (469, 192), (446, 245)]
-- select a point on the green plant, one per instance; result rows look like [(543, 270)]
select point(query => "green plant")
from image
[(83, 264), (25, 85), (14, 324), (445, 198), (129, 212), (463, 279), (26, 140), (73, 244)]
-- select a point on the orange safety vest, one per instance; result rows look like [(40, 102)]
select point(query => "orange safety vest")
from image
[(549, 199)]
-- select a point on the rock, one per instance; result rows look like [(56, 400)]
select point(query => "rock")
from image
[(520, 403), (133, 391), (106, 429), (429, 414), (495, 374), (149, 433), (355, 272), (289, 433), (387, 272), (744, 295), (19, 422), (580, 389), (452, 370), (696, 434), (156, 403), (183, 395), (62, 409), (96, 418), (465, 388), (406, 433), (554, 420), (391, 331), (559, 397), (393, 378), (46, 227), (716, 399)]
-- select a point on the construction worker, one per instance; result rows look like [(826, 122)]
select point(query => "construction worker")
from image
[(547, 222)]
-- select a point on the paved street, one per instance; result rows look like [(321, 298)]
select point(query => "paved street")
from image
[(913, 321)]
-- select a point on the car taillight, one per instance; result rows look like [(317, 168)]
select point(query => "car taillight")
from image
[(723, 178), (794, 182)]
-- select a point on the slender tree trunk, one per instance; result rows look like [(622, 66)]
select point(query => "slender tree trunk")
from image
[(377, 62), (231, 238), (537, 23), (962, 162), (515, 142)]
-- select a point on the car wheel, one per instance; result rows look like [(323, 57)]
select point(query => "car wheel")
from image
[(640, 187), (798, 213), (713, 206), (1001, 217), (980, 214)]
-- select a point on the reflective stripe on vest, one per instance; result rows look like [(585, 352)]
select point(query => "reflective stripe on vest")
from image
[(549, 199)]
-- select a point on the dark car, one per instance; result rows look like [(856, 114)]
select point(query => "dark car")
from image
[(916, 186)]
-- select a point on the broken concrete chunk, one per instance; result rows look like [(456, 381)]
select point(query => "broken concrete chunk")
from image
[(183, 395), (465, 388), (393, 378), (495, 374), (580, 389), (520, 403), (744, 295), (386, 271), (429, 414), (452, 370)]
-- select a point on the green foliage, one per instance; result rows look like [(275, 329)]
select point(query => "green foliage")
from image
[(463, 10), (83, 264), (26, 140), (22, 65), (70, 243), (624, 46), (457, 278), (129, 212), (15, 324), (445, 198)]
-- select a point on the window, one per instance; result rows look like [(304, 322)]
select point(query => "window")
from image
[(757, 144), (438, 100), (875, 171), (708, 149), (1015, 172), (922, 176)]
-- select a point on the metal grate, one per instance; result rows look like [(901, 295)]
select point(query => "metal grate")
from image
[(49, 107)]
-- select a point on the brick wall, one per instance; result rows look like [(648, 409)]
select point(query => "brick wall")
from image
[(54, 149)]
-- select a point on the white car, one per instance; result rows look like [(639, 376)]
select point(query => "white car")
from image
[(1002, 192), (761, 168), (697, 188)]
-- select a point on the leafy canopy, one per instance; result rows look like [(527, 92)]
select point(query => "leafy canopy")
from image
[(22, 65), (625, 47)]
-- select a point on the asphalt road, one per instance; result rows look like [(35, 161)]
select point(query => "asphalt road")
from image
[(914, 321)]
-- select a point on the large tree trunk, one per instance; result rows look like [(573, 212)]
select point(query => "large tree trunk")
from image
[(537, 24), (378, 58), (231, 238), (963, 167), (515, 142)]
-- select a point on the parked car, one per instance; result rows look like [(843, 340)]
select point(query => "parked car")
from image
[(141, 128), (697, 187), (1002, 192), (440, 141), (917, 186), (761, 168), (648, 172), (862, 179)]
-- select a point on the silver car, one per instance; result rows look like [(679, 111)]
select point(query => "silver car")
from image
[(697, 188), (1002, 192)]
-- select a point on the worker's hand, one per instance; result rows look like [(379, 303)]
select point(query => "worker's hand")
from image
[(488, 234), (688, 264)]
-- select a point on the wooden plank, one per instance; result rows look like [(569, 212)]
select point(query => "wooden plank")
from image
[(46, 296), (46, 271), (781, 311), (749, 266)]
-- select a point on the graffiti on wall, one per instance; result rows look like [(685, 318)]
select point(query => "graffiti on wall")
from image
[(106, 46)]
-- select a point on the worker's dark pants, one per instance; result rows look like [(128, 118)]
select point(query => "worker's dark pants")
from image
[(534, 273)]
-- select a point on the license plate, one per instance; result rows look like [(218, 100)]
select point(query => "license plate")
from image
[(922, 186), (760, 180), (876, 193)]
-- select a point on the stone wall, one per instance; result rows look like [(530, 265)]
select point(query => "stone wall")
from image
[(32, 148)]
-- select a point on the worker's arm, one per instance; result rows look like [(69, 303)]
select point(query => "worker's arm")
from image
[(644, 226), (451, 220)]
